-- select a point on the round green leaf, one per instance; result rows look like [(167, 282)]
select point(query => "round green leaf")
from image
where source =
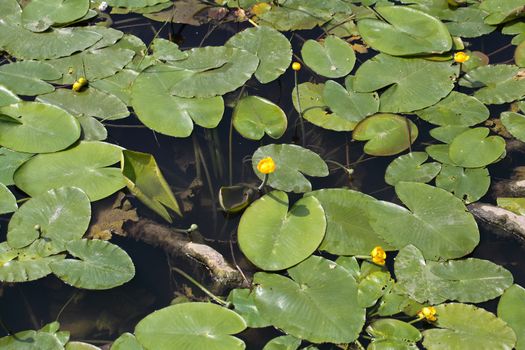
[(467, 184), (39, 15), (92, 129), (284, 342), (333, 58), (372, 287), (101, 265), (467, 327), (440, 153), (62, 215), (27, 77), (405, 31), (515, 124), (447, 133), (126, 341), (501, 10), (254, 116), (466, 22), (519, 55), (118, 84), (456, 109), (350, 105), (31, 340), (7, 97), (389, 333), (473, 149), (244, 304), (11, 160), (271, 47), (84, 166), (191, 326), (167, 50), (387, 134), (76, 345), (438, 223), (37, 127), (511, 309), (291, 162), (318, 304), (7, 200), (273, 238), (410, 167)]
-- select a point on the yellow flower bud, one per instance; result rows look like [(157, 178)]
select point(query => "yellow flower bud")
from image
[(461, 57), (296, 66), (378, 255), (266, 165), (428, 313), (83, 81), (260, 8), (77, 86)]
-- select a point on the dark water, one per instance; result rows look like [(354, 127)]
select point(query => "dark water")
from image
[(100, 316)]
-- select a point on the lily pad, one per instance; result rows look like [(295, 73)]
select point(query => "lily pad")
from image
[(11, 160), (284, 342), (101, 265), (27, 77), (511, 309), (33, 127), (333, 58), (254, 116), (475, 149), (467, 184), (7, 97), (410, 167), (39, 15), (190, 326), (118, 85), (456, 109), (166, 50), (84, 166), (348, 104), (31, 340), (515, 205), (387, 134), (405, 31), (466, 22), (406, 81), (92, 129), (273, 238), (126, 341), (515, 124), (292, 162), (390, 333), (318, 303), (7, 200), (15, 269), (469, 328), (501, 10), (448, 133), (244, 304), (76, 345), (438, 223)]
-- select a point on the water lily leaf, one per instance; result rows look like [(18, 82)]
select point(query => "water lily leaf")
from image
[(91, 103), (76, 345), (372, 286), (39, 15), (348, 104), (347, 229), (511, 309), (405, 31), (406, 81), (84, 166), (467, 184), (118, 85), (469, 328), (167, 114), (515, 205), (190, 326), (7, 200), (389, 333), (27, 77), (318, 303), (515, 124), (244, 304), (455, 109), (440, 153), (212, 71), (10, 160), (448, 133), (438, 223), (387, 134), (333, 58), (292, 162), (254, 116), (126, 341), (31, 340), (315, 109), (473, 149), (37, 128), (284, 342), (395, 301), (7, 97), (470, 280), (271, 47), (273, 238), (166, 50), (519, 55), (501, 83), (145, 180), (501, 10), (92, 129), (410, 167)]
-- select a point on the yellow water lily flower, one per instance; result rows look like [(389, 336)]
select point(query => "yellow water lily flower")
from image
[(296, 66), (428, 313), (266, 165), (260, 8), (461, 57), (79, 84), (378, 255)]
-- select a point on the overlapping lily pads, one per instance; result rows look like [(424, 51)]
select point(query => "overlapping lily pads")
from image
[(348, 104)]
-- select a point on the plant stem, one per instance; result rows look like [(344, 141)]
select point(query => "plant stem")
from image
[(301, 121), (201, 287)]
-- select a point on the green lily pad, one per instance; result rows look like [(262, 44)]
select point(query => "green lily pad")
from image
[(373, 286), (470, 280), (39, 15), (284, 342), (448, 133), (76, 345), (473, 149), (191, 326), (273, 238), (100, 265), (440, 153), (501, 10), (466, 22), (405, 31), (333, 58), (27, 77), (515, 205), (469, 328), (166, 50), (58, 216), (84, 166), (171, 115), (318, 303), (467, 184), (406, 81), (31, 340), (515, 124), (519, 55), (387, 134), (244, 304), (348, 231), (11, 160), (438, 223), (410, 167), (145, 180), (92, 129), (7, 200), (126, 341), (348, 104), (37, 127), (7, 97), (271, 47), (291, 162), (118, 85), (254, 116), (511, 309), (389, 333), (456, 109)]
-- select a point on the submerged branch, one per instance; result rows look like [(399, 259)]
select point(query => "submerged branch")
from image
[(499, 221)]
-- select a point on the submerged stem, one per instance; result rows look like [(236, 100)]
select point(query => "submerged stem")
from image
[(201, 287)]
